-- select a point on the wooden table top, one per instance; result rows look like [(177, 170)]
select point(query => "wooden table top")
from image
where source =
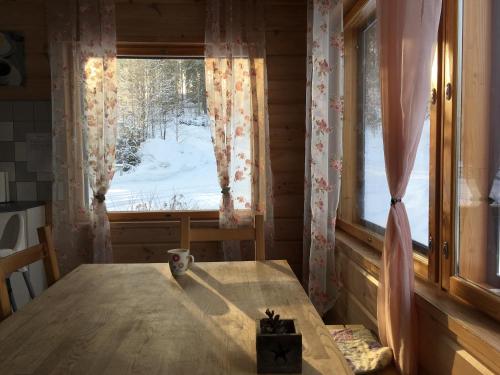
[(139, 319)]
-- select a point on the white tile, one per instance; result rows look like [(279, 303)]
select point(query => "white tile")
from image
[(26, 191), (6, 131), (10, 168), (20, 151)]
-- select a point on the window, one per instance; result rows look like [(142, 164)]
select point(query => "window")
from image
[(164, 154), (373, 198), (453, 195), (477, 199)]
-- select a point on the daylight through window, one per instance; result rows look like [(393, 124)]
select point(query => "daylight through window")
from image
[(374, 196), (164, 155)]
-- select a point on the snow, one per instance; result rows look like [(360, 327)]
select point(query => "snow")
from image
[(171, 175), (183, 175), (376, 191)]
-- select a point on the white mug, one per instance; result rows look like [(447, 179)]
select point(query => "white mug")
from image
[(179, 261)]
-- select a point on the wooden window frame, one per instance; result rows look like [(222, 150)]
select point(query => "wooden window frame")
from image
[(349, 220), (457, 286), (180, 50), (439, 266), (170, 50)]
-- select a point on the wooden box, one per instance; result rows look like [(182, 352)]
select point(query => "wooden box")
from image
[(279, 353)]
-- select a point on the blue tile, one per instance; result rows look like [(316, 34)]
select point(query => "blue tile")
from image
[(43, 111), (5, 111), (23, 111), (12, 191), (21, 129), (22, 173), (44, 191), (43, 126), (7, 151)]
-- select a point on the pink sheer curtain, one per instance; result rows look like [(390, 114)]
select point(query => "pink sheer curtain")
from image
[(407, 33)]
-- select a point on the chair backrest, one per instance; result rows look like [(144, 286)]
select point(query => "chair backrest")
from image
[(253, 233), (44, 251)]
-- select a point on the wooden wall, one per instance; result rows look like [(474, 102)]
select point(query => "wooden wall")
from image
[(171, 21), (453, 339), (28, 17), (182, 21)]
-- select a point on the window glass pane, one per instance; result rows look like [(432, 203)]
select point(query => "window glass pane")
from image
[(478, 161), (164, 156), (374, 191)]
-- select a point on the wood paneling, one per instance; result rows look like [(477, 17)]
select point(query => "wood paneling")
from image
[(453, 338), (181, 22), (28, 18), (474, 138)]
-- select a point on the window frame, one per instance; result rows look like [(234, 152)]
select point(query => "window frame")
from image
[(349, 220), (161, 50), (439, 265), (187, 50), (450, 280)]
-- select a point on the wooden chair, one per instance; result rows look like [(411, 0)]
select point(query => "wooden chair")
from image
[(44, 251), (254, 233)]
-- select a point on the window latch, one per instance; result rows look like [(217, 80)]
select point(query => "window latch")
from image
[(448, 91), (429, 245), (446, 252), (434, 96)]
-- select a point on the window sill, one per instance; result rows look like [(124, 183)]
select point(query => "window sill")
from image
[(375, 241), (118, 216), (475, 331)]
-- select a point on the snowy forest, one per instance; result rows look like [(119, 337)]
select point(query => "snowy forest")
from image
[(155, 94), (164, 155)]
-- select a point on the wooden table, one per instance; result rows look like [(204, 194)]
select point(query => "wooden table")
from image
[(139, 319)]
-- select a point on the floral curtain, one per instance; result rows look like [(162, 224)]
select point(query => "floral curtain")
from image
[(82, 42), (323, 164), (236, 84), (405, 54)]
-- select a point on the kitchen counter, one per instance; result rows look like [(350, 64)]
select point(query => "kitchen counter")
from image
[(19, 206)]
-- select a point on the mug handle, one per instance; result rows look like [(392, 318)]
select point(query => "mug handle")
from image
[(191, 260)]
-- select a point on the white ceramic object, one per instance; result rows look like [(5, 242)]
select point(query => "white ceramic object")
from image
[(179, 261)]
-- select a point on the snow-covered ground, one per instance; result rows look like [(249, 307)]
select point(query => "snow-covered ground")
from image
[(377, 196), (183, 175), (171, 175)]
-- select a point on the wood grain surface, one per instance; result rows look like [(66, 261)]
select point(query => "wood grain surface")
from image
[(139, 319)]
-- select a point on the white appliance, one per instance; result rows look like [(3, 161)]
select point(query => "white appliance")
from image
[(4, 187), (18, 230)]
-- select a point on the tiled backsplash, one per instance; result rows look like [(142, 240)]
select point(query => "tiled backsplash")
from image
[(17, 120)]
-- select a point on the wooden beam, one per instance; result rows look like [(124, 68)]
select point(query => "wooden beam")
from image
[(184, 50), (161, 215), (485, 300), (359, 13), (222, 234), (50, 259), (260, 243), (185, 232), (22, 258)]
